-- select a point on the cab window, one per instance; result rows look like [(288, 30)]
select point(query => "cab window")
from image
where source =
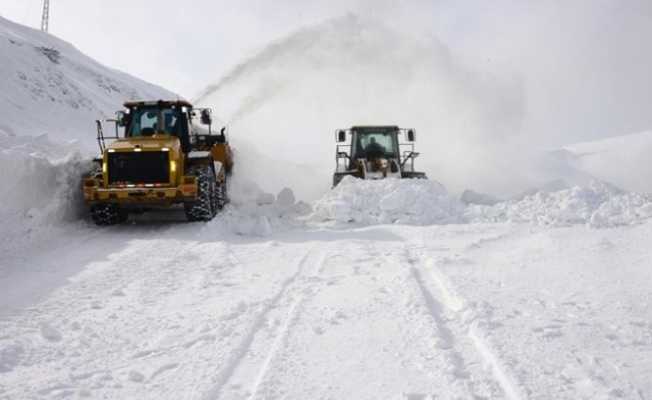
[(143, 123)]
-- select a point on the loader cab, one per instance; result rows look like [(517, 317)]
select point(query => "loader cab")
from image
[(159, 118), (375, 142), (375, 152)]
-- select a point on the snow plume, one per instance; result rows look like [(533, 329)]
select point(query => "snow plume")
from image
[(290, 98)]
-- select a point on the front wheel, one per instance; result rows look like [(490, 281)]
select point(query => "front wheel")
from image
[(414, 175), (338, 176), (108, 214), (221, 194), (203, 208)]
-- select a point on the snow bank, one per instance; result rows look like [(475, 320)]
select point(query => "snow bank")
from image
[(422, 202), (597, 205), (40, 185), (254, 212), (415, 202)]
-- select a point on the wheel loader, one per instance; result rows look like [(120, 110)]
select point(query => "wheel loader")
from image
[(375, 152), (159, 156)]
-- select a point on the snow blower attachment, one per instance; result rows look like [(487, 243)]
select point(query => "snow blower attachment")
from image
[(375, 152), (162, 158)]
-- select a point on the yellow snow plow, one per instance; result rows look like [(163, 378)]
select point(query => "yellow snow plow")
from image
[(161, 158)]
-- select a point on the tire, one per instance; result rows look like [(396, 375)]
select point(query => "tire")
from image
[(221, 194), (204, 207), (95, 172), (337, 178), (108, 214), (414, 175)]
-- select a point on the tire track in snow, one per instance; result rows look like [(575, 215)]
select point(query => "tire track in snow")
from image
[(444, 295), (453, 361), (449, 339), (241, 352), (284, 330)]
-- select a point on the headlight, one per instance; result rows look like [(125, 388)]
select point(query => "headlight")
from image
[(173, 166), (104, 167)]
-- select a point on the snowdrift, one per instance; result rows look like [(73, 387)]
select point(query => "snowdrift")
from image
[(39, 178), (254, 212), (423, 202), (415, 202), (40, 187), (598, 205)]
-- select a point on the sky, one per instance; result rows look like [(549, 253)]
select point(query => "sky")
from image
[(585, 65)]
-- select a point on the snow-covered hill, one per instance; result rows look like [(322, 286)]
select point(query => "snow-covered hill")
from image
[(49, 87), (623, 160)]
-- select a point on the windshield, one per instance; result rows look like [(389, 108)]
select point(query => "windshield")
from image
[(147, 121), (375, 144)]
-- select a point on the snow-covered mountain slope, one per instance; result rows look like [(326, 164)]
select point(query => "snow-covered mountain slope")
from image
[(49, 87), (623, 160)]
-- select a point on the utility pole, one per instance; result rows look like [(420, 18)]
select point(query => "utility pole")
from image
[(45, 20)]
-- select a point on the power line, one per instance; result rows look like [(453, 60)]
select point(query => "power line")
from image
[(45, 20)]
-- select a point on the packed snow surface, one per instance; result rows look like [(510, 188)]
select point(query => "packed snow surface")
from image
[(496, 311)]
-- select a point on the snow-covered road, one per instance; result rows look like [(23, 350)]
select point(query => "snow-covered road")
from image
[(187, 311)]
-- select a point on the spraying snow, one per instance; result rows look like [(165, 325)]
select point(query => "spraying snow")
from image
[(288, 100)]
